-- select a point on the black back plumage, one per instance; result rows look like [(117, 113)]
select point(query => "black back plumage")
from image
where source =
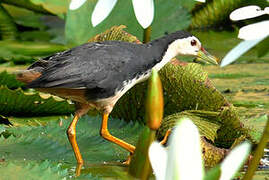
[(100, 67)]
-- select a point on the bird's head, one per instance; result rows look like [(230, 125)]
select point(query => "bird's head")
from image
[(191, 46)]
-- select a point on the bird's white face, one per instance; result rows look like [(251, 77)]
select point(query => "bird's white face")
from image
[(188, 46), (191, 46)]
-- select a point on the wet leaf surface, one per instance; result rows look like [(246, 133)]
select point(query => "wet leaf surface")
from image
[(21, 103), (35, 144)]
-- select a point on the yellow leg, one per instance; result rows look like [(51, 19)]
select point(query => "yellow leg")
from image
[(105, 134), (71, 133), (128, 160), (71, 130), (78, 169)]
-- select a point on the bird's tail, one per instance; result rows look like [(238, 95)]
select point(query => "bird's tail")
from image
[(27, 76)]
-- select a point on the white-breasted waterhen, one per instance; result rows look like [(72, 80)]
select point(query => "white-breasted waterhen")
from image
[(96, 75)]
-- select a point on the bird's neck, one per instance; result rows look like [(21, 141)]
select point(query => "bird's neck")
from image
[(165, 49)]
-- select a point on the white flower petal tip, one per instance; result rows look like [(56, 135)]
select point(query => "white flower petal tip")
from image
[(144, 12), (158, 159), (246, 13), (75, 4), (233, 162), (266, 10), (240, 49), (254, 31), (184, 154), (101, 10), (203, 1)]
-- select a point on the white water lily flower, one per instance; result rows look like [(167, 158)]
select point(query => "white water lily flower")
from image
[(254, 31), (75, 4), (158, 164), (240, 49), (183, 159), (252, 34), (144, 12), (234, 161), (247, 12), (101, 10), (183, 156)]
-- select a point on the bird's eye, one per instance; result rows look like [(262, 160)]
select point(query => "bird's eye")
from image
[(193, 42)]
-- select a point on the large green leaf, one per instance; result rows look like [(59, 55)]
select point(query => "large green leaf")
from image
[(18, 102), (177, 16), (42, 171), (27, 4), (206, 121), (34, 121), (24, 17), (8, 29), (27, 51), (2, 129), (115, 33), (37, 143), (9, 80), (58, 7)]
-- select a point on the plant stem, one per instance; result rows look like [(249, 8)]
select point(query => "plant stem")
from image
[(140, 166), (258, 153), (147, 34)]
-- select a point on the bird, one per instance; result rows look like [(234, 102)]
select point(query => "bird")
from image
[(97, 74)]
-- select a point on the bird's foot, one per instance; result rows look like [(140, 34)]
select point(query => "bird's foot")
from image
[(78, 169), (128, 160)]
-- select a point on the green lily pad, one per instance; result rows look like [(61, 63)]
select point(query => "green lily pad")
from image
[(43, 171), (58, 7), (9, 80), (18, 102), (24, 17), (26, 51), (35, 121), (206, 121), (29, 144), (2, 129)]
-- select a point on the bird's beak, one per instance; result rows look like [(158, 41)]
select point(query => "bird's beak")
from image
[(205, 57)]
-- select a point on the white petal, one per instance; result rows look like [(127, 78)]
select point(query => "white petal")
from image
[(266, 10), (101, 10), (246, 13), (158, 159), (144, 12), (234, 161), (201, 1), (75, 4), (184, 154), (240, 49), (254, 31)]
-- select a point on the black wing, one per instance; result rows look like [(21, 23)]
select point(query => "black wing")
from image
[(92, 66)]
